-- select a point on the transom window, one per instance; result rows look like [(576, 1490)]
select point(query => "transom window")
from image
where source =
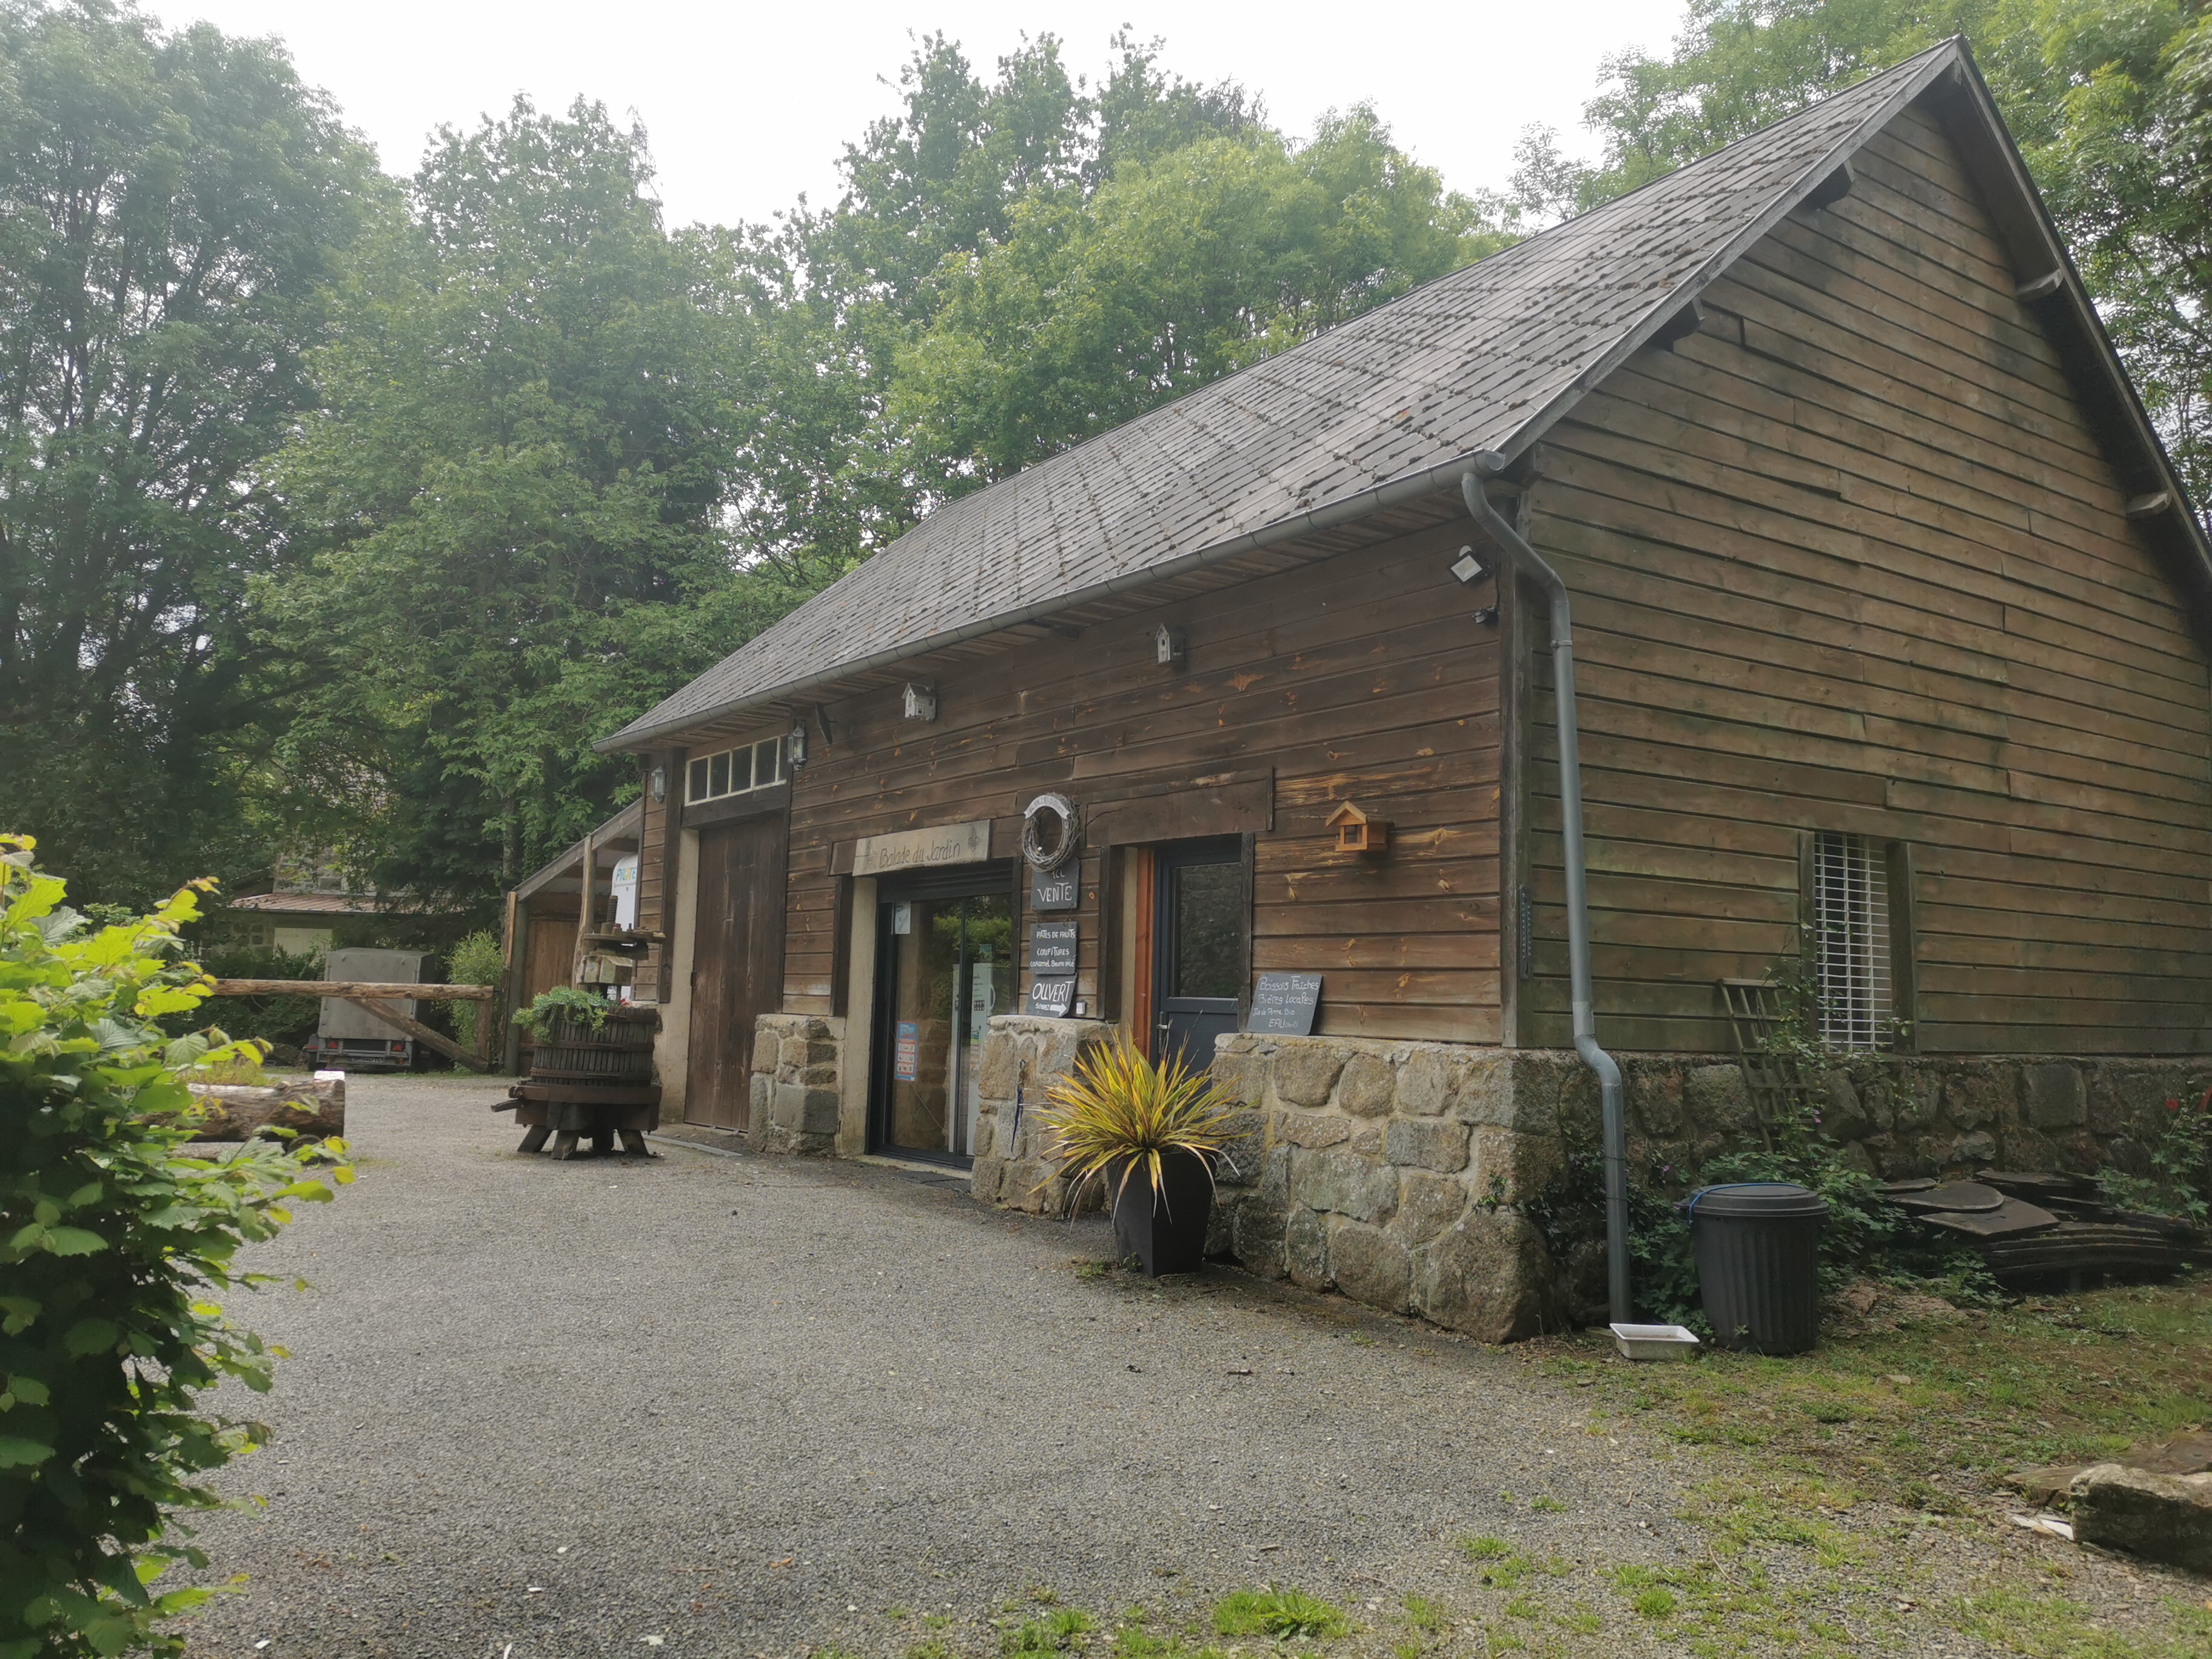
[(1851, 939), (750, 766)]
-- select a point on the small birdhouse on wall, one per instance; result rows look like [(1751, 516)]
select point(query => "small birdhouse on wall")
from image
[(1357, 833)]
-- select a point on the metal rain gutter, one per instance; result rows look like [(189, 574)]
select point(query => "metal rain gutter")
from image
[(1531, 564)]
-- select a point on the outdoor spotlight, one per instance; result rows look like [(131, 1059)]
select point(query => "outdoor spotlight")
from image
[(1467, 567), (1170, 645), (822, 725), (794, 746), (921, 701), (657, 785)]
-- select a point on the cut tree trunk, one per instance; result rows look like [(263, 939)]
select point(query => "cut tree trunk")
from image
[(238, 1111)]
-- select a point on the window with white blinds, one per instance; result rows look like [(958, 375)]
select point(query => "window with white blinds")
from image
[(1850, 939)]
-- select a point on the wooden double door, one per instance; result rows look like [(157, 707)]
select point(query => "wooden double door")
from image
[(737, 964)]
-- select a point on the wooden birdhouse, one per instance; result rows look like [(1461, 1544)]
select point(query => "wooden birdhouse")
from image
[(1357, 833)]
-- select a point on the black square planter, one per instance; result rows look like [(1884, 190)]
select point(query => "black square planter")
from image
[(1164, 1229)]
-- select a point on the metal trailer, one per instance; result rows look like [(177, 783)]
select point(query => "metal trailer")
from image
[(352, 1039)]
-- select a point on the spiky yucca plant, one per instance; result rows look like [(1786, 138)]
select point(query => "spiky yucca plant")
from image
[(1118, 1113)]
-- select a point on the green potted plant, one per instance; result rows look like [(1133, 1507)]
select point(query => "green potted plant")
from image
[(581, 1011), (1153, 1135)]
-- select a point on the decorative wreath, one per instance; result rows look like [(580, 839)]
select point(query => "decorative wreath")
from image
[(1051, 831)]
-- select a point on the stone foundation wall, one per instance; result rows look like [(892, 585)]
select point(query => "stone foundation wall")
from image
[(796, 1084), (1395, 1172), (1908, 1116), (1023, 1057)]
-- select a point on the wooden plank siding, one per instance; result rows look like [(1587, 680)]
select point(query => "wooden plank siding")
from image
[(1850, 558), (1361, 675)]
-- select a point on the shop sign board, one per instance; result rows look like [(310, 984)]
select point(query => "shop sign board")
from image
[(922, 850), (1282, 1005), (1052, 999), (1055, 889), (1052, 949)]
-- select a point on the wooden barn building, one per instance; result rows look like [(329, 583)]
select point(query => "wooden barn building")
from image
[(1889, 632)]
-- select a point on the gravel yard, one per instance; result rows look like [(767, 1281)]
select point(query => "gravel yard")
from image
[(738, 1406), (750, 1405)]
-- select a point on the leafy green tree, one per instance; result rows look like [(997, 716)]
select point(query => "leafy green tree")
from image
[(172, 207), (1173, 272), (112, 1243), (514, 495), (2112, 104)]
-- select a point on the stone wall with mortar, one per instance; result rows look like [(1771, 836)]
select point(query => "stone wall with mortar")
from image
[(1395, 1172), (796, 1084), (1912, 1116), (1024, 1056)]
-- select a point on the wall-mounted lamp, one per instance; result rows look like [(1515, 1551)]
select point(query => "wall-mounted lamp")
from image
[(921, 701), (1170, 645), (657, 784), (794, 746), (822, 725), (1468, 568)]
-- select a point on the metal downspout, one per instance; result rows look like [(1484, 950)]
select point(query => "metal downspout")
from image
[(1531, 564)]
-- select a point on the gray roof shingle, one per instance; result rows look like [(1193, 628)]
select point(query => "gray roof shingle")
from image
[(1483, 359)]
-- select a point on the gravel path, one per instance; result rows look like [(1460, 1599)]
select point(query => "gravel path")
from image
[(745, 1406)]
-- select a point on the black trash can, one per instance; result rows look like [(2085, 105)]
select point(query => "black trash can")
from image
[(1758, 1246)]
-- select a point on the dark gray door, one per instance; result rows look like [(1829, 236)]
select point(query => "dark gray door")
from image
[(1200, 915)]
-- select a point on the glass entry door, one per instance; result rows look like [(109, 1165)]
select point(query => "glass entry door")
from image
[(944, 966), (1200, 919)]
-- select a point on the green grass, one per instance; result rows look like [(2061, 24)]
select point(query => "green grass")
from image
[(1425, 1615), (1868, 1441), (1656, 1603), (1058, 1633), (1283, 1614), (2048, 1380)]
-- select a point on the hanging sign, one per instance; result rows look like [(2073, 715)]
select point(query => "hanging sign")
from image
[(1055, 889), (1052, 999), (906, 1051), (1052, 949), (922, 850), (1282, 1005)]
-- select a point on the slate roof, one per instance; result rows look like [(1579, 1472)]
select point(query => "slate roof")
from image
[(1392, 403)]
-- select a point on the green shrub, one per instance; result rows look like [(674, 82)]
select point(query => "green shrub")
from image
[(112, 1244), (476, 960), (2180, 1180)]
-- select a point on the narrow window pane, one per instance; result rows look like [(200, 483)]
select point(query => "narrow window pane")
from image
[(1209, 923), (718, 781), (696, 788), (768, 761), (741, 769)]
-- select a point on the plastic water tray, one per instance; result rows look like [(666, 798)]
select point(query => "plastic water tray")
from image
[(1654, 1341)]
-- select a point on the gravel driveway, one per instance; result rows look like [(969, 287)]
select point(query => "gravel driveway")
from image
[(742, 1406)]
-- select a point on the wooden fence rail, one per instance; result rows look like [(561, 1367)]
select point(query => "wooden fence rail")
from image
[(382, 1001)]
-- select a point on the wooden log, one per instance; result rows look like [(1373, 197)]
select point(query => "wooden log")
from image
[(352, 990), (239, 1111), (415, 1027)]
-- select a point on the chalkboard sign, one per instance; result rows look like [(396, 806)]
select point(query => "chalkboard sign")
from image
[(1054, 890), (1282, 1005), (1052, 948), (1052, 998)]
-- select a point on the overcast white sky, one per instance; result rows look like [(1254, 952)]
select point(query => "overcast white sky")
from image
[(748, 104)]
